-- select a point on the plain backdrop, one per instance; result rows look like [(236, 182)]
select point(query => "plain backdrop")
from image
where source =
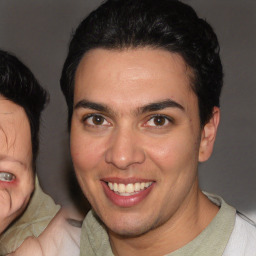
[(38, 32)]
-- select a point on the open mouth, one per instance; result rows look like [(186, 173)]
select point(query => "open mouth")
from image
[(128, 189), (124, 193), (127, 192)]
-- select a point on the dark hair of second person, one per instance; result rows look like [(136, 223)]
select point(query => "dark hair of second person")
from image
[(18, 84)]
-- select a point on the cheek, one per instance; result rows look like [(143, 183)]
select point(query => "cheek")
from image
[(87, 153), (15, 197), (5, 204), (21, 193), (86, 156), (173, 152)]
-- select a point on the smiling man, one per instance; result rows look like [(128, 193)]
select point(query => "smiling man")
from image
[(135, 142), (142, 81)]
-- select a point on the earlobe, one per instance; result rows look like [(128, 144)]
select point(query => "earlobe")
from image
[(208, 136)]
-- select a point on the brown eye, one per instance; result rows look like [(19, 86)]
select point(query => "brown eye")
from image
[(95, 120), (98, 120), (159, 120)]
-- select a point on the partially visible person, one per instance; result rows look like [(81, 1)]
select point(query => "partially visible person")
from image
[(60, 238), (25, 210)]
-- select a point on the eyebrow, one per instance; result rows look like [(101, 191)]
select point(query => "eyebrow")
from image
[(6, 113), (155, 106), (11, 159), (92, 105)]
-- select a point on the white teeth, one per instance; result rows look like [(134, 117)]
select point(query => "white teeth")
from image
[(147, 184), (137, 187), (111, 186), (129, 189), (121, 188)]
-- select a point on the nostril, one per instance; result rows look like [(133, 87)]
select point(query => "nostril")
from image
[(124, 149), (123, 160)]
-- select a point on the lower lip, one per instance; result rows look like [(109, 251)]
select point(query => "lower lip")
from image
[(126, 201)]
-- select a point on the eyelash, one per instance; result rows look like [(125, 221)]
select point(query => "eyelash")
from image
[(7, 177), (85, 119), (166, 118), (151, 118)]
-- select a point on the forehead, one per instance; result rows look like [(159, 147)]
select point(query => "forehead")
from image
[(132, 75), (14, 128), (10, 111)]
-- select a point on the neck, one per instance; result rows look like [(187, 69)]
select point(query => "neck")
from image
[(186, 224)]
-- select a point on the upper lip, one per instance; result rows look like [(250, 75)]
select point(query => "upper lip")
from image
[(125, 180)]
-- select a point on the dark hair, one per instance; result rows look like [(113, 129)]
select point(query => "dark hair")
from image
[(18, 84), (163, 24)]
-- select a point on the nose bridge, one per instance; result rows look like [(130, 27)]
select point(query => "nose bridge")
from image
[(124, 149)]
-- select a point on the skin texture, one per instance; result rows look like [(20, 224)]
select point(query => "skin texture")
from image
[(125, 144), (59, 238), (16, 159)]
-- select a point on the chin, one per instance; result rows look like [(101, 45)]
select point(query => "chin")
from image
[(130, 231), (128, 226)]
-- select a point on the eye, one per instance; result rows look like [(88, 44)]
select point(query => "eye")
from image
[(158, 121), (6, 176), (95, 120)]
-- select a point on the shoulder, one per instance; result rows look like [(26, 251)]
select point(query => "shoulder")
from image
[(60, 238), (32, 222), (243, 238)]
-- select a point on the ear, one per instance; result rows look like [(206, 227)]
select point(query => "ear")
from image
[(208, 136)]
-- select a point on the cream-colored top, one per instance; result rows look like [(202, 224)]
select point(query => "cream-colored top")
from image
[(211, 241), (242, 241), (60, 238), (221, 237), (40, 211)]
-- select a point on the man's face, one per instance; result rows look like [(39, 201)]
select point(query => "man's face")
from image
[(16, 175), (135, 137)]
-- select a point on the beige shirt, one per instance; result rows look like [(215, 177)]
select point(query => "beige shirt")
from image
[(40, 211), (227, 234), (211, 241), (60, 238)]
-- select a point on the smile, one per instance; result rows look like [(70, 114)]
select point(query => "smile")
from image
[(128, 189), (127, 193)]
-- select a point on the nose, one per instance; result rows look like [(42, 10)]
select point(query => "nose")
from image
[(124, 149)]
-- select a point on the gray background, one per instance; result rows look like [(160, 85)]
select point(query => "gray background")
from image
[(38, 32)]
